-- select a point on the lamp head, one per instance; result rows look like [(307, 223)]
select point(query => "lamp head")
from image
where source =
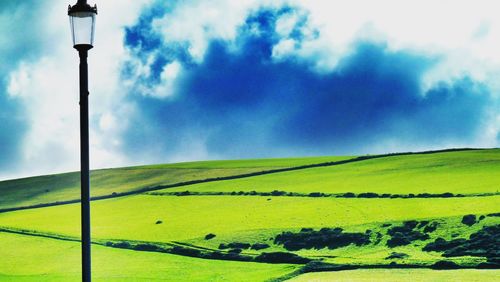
[(82, 20)]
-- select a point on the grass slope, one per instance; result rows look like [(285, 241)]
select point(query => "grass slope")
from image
[(170, 219), (464, 172), (397, 275), (27, 258), (184, 218), (66, 186)]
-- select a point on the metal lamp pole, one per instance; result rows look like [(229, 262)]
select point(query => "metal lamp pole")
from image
[(82, 19), (84, 163)]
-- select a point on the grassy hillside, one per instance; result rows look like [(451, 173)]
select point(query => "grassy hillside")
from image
[(28, 258), (436, 210), (135, 217), (396, 275), (66, 186), (465, 172)]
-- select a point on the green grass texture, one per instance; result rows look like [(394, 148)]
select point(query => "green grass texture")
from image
[(134, 217), (398, 275), (463, 172), (66, 186), (28, 258)]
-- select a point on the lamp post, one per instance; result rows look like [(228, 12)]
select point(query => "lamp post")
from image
[(82, 20)]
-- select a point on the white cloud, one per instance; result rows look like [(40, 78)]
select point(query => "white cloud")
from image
[(18, 80), (286, 23), (168, 75), (283, 48), (470, 29), (48, 89), (446, 28), (198, 22), (50, 110), (142, 71)]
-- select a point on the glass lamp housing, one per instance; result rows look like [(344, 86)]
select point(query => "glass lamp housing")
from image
[(82, 20)]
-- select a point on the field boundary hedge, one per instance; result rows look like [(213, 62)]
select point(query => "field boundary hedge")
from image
[(368, 195)]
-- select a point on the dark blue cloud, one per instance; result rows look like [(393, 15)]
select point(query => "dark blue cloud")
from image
[(375, 95), (243, 103), (142, 34)]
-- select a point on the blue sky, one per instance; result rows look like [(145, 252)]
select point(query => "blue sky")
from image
[(194, 80)]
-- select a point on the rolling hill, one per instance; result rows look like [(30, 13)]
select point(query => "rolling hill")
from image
[(263, 220)]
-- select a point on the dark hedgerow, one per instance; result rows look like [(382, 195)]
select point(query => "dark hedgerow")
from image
[(404, 235), (225, 256), (330, 238), (469, 219), (319, 266), (441, 244), (148, 247), (234, 245), (444, 264), (395, 255), (484, 243), (422, 223), (259, 246), (431, 227), (316, 194), (122, 245), (183, 193), (237, 245), (398, 240), (281, 257), (278, 193), (186, 251), (368, 195), (410, 224), (209, 236)]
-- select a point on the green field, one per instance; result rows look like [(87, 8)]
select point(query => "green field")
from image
[(467, 172), (64, 187), (40, 259), (183, 218), (395, 275), (217, 233)]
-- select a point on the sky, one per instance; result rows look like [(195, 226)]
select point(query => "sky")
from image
[(174, 81)]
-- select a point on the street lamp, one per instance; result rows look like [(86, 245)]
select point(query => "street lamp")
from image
[(82, 20)]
